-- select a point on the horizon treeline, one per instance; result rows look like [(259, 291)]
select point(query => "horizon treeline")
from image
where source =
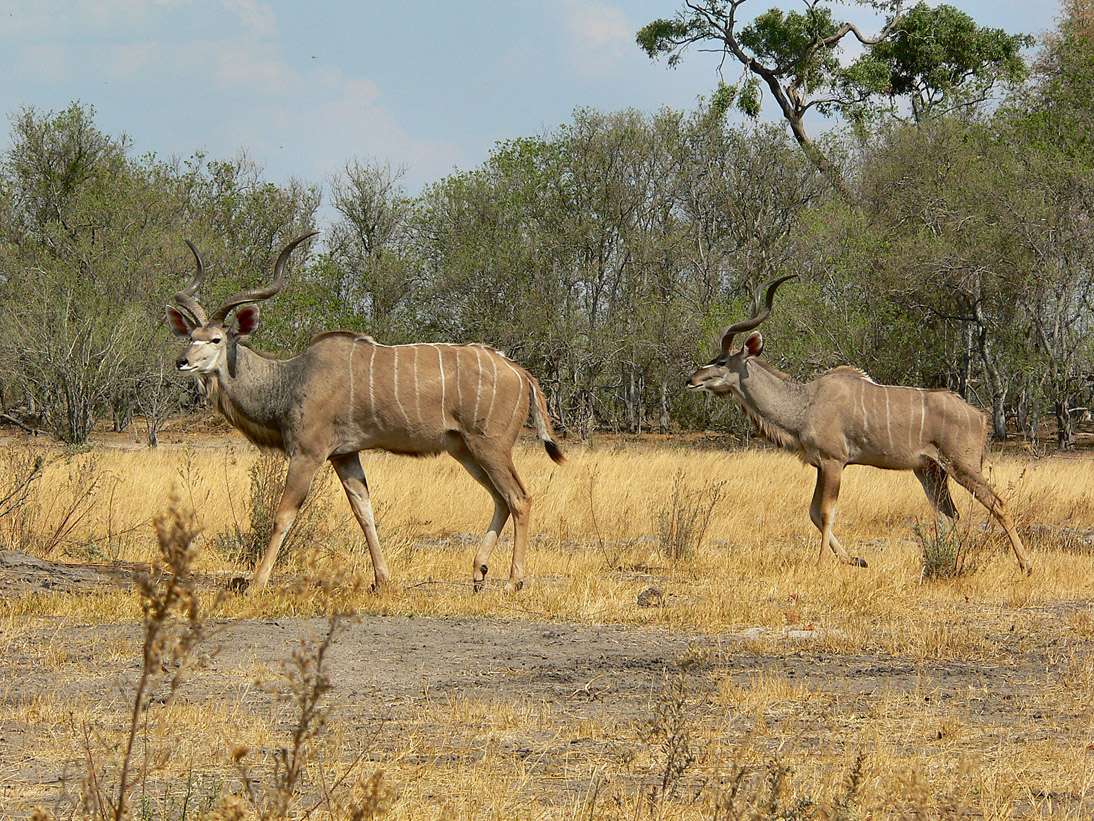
[(957, 251)]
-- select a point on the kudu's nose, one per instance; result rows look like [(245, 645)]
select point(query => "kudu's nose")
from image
[(181, 363)]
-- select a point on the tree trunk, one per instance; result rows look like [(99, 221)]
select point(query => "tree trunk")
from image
[(1063, 423), (663, 416), (997, 385)]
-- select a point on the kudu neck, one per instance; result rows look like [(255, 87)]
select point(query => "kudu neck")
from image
[(773, 398), (254, 384)]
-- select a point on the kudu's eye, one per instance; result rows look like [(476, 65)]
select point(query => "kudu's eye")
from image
[(216, 340)]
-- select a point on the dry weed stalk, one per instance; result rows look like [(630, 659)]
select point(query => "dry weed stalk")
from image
[(746, 799), (172, 628), (305, 685)]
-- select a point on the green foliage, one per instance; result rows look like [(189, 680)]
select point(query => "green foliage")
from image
[(929, 57), (940, 56), (792, 44), (748, 99), (662, 36)]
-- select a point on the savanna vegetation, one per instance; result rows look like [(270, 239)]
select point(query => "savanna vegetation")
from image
[(679, 652)]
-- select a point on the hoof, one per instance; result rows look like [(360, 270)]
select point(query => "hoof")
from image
[(858, 561), (378, 586), (514, 587), (239, 584), (476, 585)]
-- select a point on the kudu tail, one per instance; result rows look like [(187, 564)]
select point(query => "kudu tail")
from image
[(544, 430)]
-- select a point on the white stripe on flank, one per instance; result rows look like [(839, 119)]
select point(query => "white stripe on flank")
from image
[(395, 381), (922, 414), (371, 392), (888, 419), (352, 351), (417, 387), (516, 401), (493, 394), (862, 403), (911, 413), (459, 388), (440, 369), (478, 387)]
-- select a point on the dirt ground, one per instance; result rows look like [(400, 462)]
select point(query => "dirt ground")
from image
[(384, 669)]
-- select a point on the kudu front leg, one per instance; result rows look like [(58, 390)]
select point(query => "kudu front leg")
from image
[(822, 512), (298, 480), (351, 473)]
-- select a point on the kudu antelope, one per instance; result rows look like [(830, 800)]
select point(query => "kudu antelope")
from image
[(842, 417), (347, 393)]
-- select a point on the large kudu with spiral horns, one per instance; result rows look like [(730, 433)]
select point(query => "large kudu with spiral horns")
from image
[(842, 417), (347, 393)]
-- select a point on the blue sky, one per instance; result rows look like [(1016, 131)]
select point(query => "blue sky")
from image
[(303, 87)]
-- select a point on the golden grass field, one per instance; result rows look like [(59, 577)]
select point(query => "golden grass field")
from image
[(760, 666)]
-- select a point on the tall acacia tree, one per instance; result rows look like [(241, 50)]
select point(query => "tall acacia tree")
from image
[(929, 57)]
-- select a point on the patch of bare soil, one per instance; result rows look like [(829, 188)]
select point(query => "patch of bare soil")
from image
[(21, 574), (385, 669)]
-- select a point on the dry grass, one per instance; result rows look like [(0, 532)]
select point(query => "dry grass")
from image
[(595, 545), (759, 739)]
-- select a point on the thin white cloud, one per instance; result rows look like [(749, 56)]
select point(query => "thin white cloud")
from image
[(259, 18), (601, 36)]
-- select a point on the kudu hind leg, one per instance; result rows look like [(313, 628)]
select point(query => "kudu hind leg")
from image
[(978, 486), (463, 455), (496, 462), (352, 475), (822, 512), (298, 480)]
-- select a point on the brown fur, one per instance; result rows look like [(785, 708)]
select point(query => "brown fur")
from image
[(843, 417), (346, 393)]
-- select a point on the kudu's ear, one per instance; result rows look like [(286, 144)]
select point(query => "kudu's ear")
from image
[(245, 320), (754, 344), (181, 323)]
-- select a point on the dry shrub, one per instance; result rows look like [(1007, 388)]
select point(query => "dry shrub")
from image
[(39, 517), (773, 799), (683, 522), (948, 552)]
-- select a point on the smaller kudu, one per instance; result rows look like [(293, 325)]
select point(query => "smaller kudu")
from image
[(347, 393), (842, 417)]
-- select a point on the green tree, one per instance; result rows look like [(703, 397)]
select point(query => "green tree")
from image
[(929, 56), (371, 260), (85, 229)]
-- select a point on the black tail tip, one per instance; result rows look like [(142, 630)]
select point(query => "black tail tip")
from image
[(554, 451)]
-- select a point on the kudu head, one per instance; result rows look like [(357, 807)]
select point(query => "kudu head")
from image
[(724, 373), (212, 339)]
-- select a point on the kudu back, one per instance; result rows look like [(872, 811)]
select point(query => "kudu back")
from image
[(347, 393), (842, 417)]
